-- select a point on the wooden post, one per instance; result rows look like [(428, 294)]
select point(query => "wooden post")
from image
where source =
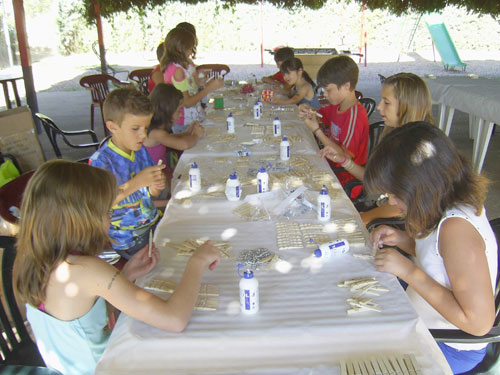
[(261, 36), (100, 37), (24, 52)]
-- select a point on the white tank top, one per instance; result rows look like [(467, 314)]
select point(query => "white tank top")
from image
[(429, 260)]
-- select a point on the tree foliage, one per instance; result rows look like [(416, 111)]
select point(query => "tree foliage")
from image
[(110, 7)]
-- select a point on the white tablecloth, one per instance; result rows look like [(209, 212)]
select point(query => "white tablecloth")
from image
[(480, 98), (302, 326)]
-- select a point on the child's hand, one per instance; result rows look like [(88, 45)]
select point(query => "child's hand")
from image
[(151, 176), (305, 111), (208, 254), (385, 235), (198, 130), (333, 152), (140, 263), (390, 260), (215, 84)]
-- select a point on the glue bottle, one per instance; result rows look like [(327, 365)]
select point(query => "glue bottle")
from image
[(332, 248), (262, 180), (249, 292), (195, 177), (261, 105), (256, 111), (324, 207), (277, 127), (285, 149), (233, 188), (230, 123)]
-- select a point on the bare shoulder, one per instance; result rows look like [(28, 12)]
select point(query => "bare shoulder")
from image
[(179, 74), (460, 236), (92, 269)]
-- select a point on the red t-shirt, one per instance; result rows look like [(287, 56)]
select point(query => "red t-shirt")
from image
[(350, 129), (279, 77), (151, 84)]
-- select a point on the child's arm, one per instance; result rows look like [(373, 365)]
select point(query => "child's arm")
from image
[(179, 141), (171, 315), (385, 235), (295, 99), (191, 100), (157, 77), (337, 154), (151, 176), (469, 304)]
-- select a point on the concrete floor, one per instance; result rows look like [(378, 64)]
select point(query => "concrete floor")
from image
[(71, 111)]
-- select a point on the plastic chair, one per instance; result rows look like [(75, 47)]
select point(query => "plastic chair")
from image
[(213, 70), (98, 84), (53, 131), (141, 76), (358, 94), (11, 195), (375, 134), (369, 105), (491, 360), (16, 346), (381, 78)]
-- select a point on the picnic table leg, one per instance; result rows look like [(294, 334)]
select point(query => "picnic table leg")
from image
[(484, 136), (449, 119)]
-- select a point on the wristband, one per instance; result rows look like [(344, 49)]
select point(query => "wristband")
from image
[(315, 130), (343, 161), (348, 166)]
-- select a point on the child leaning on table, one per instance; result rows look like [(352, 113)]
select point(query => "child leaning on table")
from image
[(452, 280), (127, 113), (167, 107), (63, 227), (404, 98), (345, 117), (180, 46), (280, 56), (303, 87)]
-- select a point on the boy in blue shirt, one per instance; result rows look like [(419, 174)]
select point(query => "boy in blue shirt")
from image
[(127, 113)]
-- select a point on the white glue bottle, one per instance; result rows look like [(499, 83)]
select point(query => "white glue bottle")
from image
[(195, 177), (277, 127), (285, 149), (230, 123), (249, 292), (233, 188), (261, 105), (256, 111), (262, 180), (332, 248), (324, 207)]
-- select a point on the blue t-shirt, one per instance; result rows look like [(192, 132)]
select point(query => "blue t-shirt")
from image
[(134, 215), (73, 346), (314, 102)]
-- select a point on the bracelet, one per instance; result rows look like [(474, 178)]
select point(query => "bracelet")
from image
[(348, 166), (343, 161), (315, 130)]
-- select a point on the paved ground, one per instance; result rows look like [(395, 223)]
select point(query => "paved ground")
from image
[(69, 104)]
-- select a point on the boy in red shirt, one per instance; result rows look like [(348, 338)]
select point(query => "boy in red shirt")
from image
[(281, 55), (345, 117)]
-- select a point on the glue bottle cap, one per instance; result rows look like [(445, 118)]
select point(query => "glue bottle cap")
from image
[(230, 114), (276, 118), (324, 191), (194, 165), (318, 253), (262, 170), (285, 138), (248, 274)]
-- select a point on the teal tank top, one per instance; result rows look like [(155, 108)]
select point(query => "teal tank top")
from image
[(74, 346)]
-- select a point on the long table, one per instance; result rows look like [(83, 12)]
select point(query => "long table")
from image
[(302, 326), (479, 97)]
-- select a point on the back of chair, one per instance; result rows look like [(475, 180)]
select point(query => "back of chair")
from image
[(369, 105), (140, 76), (98, 86), (213, 70), (11, 195), (51, 130), (22, 350), (376, 130)]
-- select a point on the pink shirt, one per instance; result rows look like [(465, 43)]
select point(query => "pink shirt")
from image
[(158, 152)]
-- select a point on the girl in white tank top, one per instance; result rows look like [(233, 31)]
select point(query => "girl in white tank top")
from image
[(451, 281)]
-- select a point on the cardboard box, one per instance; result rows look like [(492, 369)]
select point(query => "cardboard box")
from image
[(312, 63), (18, 137)]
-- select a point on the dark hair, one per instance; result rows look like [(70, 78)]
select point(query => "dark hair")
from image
[(126, 100), (187, 26), (420, 165), (177, 42), (160, 51), (283, 54), (294, 64), (338, 70), (165, 99)]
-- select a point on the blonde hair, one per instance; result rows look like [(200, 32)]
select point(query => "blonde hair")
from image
[(62, 212), (414, 99)]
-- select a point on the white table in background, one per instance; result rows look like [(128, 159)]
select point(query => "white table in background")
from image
[(480, 98), (302, 326)]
